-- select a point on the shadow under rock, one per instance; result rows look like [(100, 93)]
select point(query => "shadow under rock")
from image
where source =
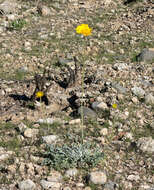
[(129, 1), (20, 97), (73, 105), (63, 84)]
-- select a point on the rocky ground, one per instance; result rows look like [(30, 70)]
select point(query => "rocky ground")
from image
[(40, 48)]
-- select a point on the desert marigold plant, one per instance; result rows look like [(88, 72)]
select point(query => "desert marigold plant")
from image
[(83, 29), (39, 94)]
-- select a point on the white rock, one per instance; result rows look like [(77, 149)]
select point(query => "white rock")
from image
[(44, 10), (71, 172), (135, 100), (9, 6), (50, 185), (152, 125), (146, 144), (104, 131), (75, 121), (138, 91), (10, 17), (120, 66), (8, 90), (55, 176), (27, 44), (126, 113), (31, 132), (50, 139), (22, 127), (47, 120), (149, 99), (99, 105), (26, 185), (129, 136), (80, 185), (98, 177), (133, 177), (20, 137), (67, 188), (107, 2), (1, 29), (12, 168), (4, 156)]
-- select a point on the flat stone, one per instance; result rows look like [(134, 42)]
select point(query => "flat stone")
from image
[(11, 17), (152, 125), (98, 177), (104, 131), (146, 55), (9, 6), (133, 177), (50, 139), (67, 188), (47, 120), (31, 132), (50, 185), (71, 172), (44, 10), (110, 186), (4, 155), (26, 185), (120, 66), (22, 127), (87, 112), (99, 105), (55, 176), (75, 121), (119, 88), (149, 99), (146, 144), (138, 91)]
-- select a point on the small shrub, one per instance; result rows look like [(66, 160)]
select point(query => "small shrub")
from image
[(77, 155)]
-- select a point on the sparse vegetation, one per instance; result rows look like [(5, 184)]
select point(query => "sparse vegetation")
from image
[(50, 71), (77, 155)]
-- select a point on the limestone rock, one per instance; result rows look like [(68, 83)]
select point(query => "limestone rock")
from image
[(138, 91), (26, 185), (9, 6), (146, 55), (98, 177), (50, 139), (87, 112), (31, 132), (50, 185), (146, 144)]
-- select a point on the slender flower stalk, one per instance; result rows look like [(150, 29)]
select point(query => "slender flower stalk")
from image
[(85, 30)]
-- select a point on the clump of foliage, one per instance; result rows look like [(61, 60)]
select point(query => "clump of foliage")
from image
[(77, 155), (17, 24)]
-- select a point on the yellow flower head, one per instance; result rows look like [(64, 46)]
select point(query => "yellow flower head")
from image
[(83, 29), (39, 94), (114, 106)]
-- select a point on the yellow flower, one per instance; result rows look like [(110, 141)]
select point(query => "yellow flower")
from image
[(83, 29), (39, 94), (114, 106)]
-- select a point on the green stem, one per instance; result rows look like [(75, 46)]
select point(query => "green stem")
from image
[(82, 115)]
